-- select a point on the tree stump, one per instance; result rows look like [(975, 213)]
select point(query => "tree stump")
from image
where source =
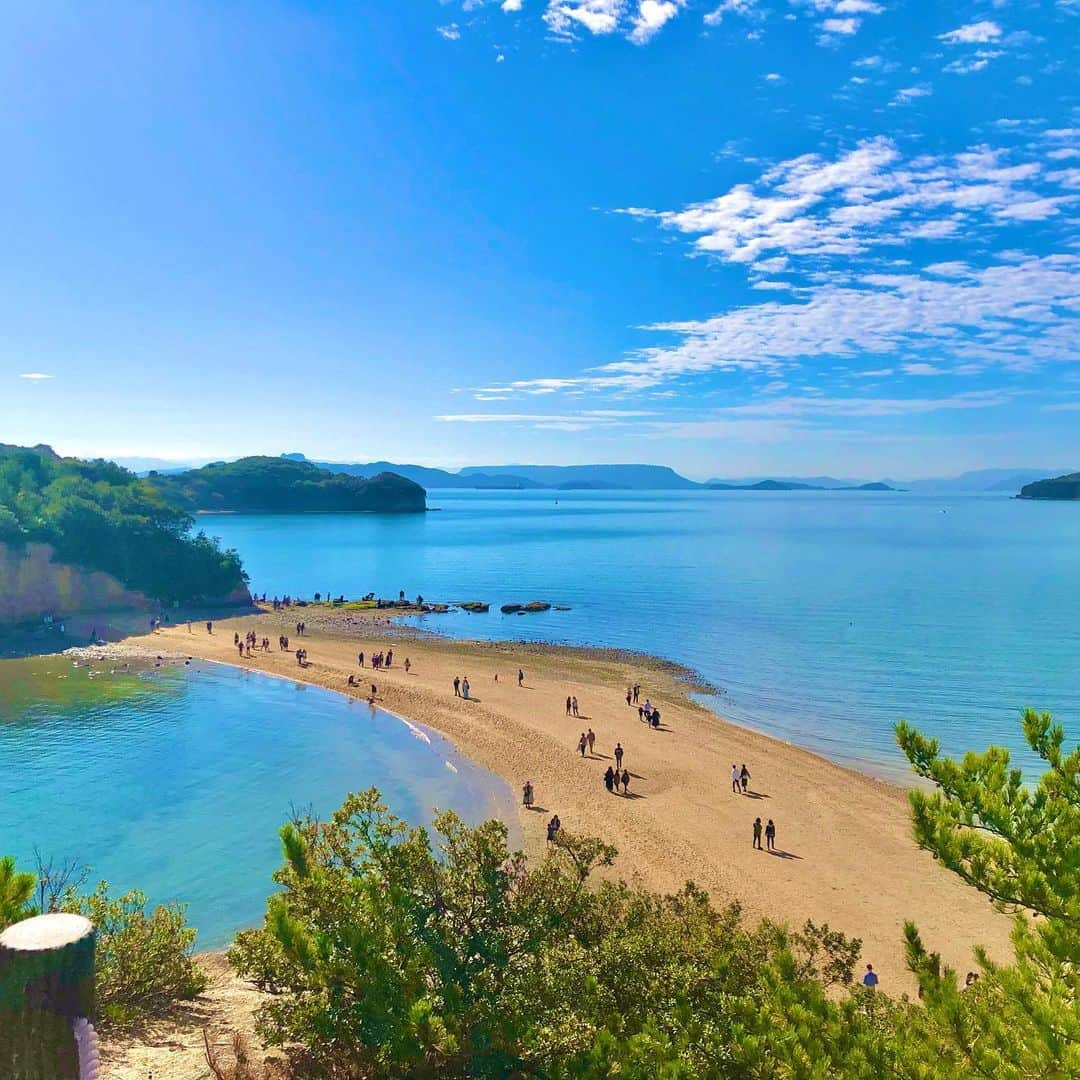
[(46, 983)]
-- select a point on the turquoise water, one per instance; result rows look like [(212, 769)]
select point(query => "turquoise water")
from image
[(175, 781), (824, 617)]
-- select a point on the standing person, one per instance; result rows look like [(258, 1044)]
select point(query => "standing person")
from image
[(637, 691), (577, 712), (465, 688), (870, 979), (625, 782), (567, 704), (736, 783), (592, 739), (757, 833), (609, 779), (457, 687), (770, 835), (629, 694), (527, 795), (360, 659), (521, 677), (582, 743), (744, 777), (374, 688), (408, 665), (209, 628), (618, 755)]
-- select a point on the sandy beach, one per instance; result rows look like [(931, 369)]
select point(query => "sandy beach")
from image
[(845, 852)]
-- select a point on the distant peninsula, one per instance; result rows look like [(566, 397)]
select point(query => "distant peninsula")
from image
[(792, 485), (279, 485), (1060, 488)]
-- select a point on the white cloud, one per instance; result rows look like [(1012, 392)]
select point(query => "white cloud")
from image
[(746, 8), (511, 5), (843, 27), (35, 376), (452, 32), (911, 93), (652, 16), (977, 33)]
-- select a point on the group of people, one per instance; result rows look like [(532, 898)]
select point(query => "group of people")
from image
[(553, 827), (770, 834), (612, 779), (379, 660), (572, 707), (461, 687), (250, 642), (301, 629), (588, 738)]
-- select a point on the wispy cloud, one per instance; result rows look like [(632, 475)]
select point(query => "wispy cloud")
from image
[(976, 33), (34, 376)]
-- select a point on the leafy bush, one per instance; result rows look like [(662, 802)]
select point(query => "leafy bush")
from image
[(402, 954), (144, 960)]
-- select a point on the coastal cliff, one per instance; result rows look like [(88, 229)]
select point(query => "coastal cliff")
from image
[(269, 485), (1062, 488), (33, 584)]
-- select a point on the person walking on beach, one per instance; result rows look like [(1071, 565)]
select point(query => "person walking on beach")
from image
[(744, 777), (592, 739), (736, 782), (521, 677), (408, 665), (625, 782), (465, 688), (527, 795), (618, 755), (577, 712), (360, 659), (770, 835), (637, 692), (582, 743), (568, 705), (629, 695), (457, 687), (609, 779), (870, 979), (757, 833), (209, 628)]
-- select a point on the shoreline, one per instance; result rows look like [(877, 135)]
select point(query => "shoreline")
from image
[(847, 853)]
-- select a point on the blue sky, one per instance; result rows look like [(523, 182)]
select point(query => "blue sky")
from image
[(734, 237)]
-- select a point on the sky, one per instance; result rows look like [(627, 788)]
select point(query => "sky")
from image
[(736, 237)]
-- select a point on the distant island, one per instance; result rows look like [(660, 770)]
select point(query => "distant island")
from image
[(83, 535), (280, 485), (1061, 488), (793, 485)]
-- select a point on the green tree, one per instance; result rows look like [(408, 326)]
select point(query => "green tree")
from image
[(1020, 846), (16, 893), (402, 952)]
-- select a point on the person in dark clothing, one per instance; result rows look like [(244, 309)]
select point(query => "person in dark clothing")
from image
[(625, 782), (457, 687), (744, 777), (757, 833), (770, 835), (609, 779), (567, 706)]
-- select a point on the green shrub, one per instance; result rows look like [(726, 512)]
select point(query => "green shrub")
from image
[(144, 959)]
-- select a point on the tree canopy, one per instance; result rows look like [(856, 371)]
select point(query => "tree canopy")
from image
[(99, 516), (276, 485)]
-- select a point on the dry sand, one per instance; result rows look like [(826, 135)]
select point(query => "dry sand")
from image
[(846, 854)]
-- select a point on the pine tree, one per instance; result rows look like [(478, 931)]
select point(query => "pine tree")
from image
[(1021, 847)]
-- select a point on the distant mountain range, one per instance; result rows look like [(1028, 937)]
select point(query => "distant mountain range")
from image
[(643, 478), (524, 477)]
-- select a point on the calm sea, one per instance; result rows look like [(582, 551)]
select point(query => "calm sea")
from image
[(823, 617), (175, 781)]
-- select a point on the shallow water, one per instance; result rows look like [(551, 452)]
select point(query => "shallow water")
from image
[(825, 617), (176, 780)]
